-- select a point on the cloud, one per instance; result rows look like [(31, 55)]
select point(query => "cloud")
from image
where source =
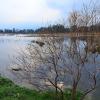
[(35, 13), (19, 11)]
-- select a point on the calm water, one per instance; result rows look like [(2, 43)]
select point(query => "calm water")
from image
[(9, 48), (10, 45)]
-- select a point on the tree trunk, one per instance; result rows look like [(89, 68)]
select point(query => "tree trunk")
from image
[(74, 92)]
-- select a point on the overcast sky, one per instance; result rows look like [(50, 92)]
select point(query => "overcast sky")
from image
[(34, 13)]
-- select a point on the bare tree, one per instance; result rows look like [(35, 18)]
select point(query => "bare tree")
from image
[(87, 17), (41, 64), (82, 67), (60, 60), (78, 57), (73, 20)]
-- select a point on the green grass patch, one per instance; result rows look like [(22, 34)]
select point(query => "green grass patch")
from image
[(10, 91)]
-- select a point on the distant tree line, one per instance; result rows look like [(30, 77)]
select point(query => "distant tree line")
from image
[(74, 28), (50, 29), (23, 31), (92, 28), (56, 29)]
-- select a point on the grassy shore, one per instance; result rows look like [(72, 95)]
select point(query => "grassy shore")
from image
[(10, 91)]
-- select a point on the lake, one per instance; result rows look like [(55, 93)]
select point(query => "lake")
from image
[(10, 45)]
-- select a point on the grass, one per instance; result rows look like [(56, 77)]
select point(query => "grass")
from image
[(10, 91)]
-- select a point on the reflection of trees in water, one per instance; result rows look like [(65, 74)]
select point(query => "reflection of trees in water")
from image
[(93, 43)]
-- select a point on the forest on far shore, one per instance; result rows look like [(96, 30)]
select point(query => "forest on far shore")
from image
[(58, 28)]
